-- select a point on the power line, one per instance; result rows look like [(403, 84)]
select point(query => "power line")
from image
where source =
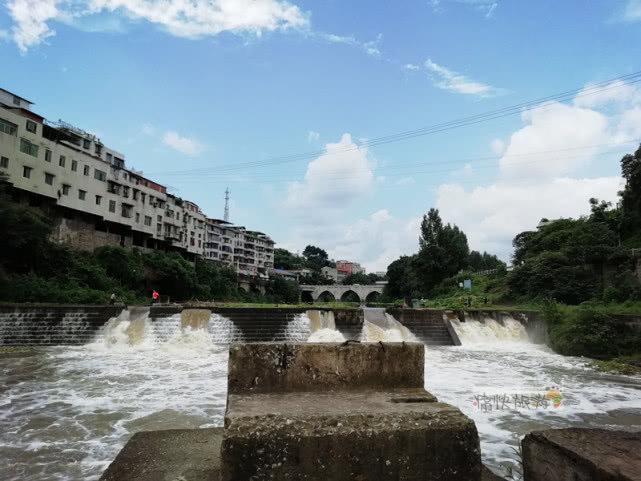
[(540, 103)]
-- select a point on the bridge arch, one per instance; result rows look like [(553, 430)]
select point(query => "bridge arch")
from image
[(350, 296), (326, 296), (373, 296)]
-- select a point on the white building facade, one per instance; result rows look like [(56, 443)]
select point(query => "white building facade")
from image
[(96, 200)]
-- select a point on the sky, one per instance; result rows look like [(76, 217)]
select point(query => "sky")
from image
[(300, 107)]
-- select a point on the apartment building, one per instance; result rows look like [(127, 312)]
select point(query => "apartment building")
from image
[(96, 200), (349, 267)]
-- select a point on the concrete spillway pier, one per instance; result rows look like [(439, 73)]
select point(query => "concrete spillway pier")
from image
[(317, 412)]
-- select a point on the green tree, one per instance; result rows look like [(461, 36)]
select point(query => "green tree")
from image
[(401, 281), (283, 259), (631, 194), (281, 290), (315, 258), (443, 251)]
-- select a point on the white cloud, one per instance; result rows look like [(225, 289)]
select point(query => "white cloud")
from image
[(411, 66), (486, 7), (632, 12), (554, 127), (497, 146), (185, 145), (183, 18), (312, 136), (552, 182), (447, 79), (374, 241), (334, 179), (371, 47), (492, 215)]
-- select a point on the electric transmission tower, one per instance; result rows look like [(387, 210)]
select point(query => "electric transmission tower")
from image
[(227, 192)]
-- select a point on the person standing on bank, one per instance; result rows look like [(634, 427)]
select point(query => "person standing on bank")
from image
[(154, 296)]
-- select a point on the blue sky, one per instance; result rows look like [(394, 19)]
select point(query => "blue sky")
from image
[(193, 91)]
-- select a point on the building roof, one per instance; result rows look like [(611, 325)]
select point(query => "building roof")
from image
[(16, 95)]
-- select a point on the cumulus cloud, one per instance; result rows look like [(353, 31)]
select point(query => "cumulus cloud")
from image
[(541, 171), (183, 18), (184, 145), (337, 177), (492, 215), (374, 241), (447, 79), (371, 47)]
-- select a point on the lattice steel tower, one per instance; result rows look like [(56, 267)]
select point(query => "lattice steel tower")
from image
[(227, 192)]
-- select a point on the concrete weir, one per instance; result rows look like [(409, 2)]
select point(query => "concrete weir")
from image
[(330, 412), (341, 412)]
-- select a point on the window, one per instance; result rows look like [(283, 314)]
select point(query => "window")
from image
[(112, 206), (125, 191), (98, 199), (26, 172), (100, 175), (4, 162), (47, 155), (135, 194), (159, 218), (109, 157), (65, 189), (16, 100), (137, 218), (82, 194), (86, 169), (8, 127), (147, 220), (49, 178), (31, 126), (86, 143), (98, 149), (142, 197), (28, 147), (159, 227), (125, 210), (62, 161)]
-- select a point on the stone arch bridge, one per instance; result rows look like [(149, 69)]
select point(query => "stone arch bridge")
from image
[(339, 292)]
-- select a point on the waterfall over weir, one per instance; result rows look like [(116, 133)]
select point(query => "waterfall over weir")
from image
[(488, 331)]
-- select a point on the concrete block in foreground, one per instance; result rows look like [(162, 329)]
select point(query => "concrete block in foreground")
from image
[(577, 454), (278, 367), (341, 412), (171, 455)]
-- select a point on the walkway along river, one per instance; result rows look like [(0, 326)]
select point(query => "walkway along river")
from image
[(66, 411)]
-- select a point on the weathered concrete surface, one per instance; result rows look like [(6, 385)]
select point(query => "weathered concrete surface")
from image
[(278, 367), (582, 455), (340, 436), (172, 455), (487, 475), (340, 412)]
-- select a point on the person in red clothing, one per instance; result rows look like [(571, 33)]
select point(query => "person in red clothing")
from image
[(154, 296)]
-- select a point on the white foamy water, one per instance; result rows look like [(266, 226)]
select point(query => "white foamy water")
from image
[(385, 328), (313, 326), (490, 331), (66, 411)]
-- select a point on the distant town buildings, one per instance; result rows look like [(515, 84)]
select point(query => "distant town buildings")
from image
[(96, 200), (349, 267)]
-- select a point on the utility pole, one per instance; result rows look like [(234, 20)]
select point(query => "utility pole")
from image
[(227, 192)]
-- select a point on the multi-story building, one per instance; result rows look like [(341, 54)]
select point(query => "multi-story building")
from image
[(349, 267), (96, 200)]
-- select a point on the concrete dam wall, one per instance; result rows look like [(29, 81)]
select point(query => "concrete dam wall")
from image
[(24, 324)]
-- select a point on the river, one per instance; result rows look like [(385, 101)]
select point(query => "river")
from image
[(66, 411)]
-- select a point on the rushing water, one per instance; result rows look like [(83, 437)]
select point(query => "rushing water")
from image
[(66, 411)]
